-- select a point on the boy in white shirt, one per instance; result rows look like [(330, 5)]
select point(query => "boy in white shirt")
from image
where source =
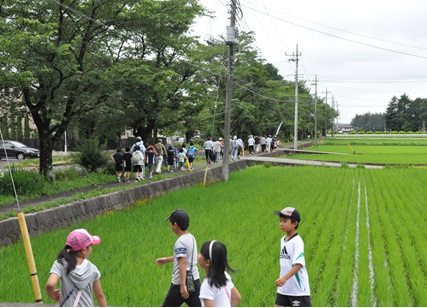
[(293, 287)]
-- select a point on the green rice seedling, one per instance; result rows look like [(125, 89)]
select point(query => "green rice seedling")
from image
[(240, 213)]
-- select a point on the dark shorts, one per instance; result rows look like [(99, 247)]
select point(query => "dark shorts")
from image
[(137, 168), (119, 167), (190, 159), (174, 298), (292, 301)]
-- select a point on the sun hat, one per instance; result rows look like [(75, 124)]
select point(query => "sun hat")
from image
[(181, 218), (289, 212), (80, 238), (138, 138)]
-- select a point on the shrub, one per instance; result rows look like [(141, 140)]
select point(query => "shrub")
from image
[(394, 132), (402, 132), (26, 182), (378, 132), (369, 132), (91, 155), (410, 132), (361, 132), (353, 132), (67, 174)]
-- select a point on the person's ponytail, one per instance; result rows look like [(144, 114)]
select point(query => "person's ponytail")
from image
[(69, 257)]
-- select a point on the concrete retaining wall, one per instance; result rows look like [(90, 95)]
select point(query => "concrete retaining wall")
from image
[(66, 215)]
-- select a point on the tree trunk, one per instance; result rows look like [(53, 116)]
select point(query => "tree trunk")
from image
[(46, 149)]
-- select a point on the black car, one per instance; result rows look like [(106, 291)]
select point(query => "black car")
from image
[(17, 150)]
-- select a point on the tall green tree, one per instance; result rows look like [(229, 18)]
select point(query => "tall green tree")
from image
[(59, 54)]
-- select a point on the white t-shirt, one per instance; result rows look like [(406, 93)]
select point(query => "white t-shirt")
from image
[(185, 246), (221, 296), (292, 252)]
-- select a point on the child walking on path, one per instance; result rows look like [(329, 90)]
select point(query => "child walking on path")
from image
[(77, 274), (171, 158), (191, 152), (181, 159), (127, 164), (151, 160), (184, 264), (117, 158), (217, 289), (293, 287)]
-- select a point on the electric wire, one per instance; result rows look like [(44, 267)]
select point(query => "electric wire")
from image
[(270, 16), (348, 32), (345, 39)]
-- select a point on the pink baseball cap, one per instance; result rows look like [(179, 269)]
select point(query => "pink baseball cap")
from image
[(80, 238)]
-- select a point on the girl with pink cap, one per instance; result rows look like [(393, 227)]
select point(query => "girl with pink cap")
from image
[(78, 276)]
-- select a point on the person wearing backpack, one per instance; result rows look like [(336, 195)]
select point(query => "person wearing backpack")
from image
[(140, 143), (191, 152), (137, 161)]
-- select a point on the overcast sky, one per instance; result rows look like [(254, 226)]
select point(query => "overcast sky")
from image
[(363, 52)]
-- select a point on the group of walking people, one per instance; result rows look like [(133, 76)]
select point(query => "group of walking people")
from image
[(138, 156), (80, 279)]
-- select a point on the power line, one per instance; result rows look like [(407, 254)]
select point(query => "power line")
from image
[(345, 39), (345, 31)]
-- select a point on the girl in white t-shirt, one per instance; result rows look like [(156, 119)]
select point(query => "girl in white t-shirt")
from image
[(217, 289)]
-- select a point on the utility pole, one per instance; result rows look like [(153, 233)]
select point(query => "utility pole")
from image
[(231, 41), (295, 59), (315, 108), (333, 117), (326, 113)]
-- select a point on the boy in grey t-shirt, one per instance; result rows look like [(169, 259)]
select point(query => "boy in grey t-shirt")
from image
[(184, 258)]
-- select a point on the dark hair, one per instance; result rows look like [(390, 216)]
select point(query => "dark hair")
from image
[(69, 257), (170, 147), (137, 148), (181, 150), (292, 220), (127, 149), (191, 142), (219, 263), (119, 149)]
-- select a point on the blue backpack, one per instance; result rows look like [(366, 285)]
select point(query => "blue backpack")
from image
[(190, 151)]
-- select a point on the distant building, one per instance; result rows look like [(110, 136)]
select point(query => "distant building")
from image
[(345, 129)]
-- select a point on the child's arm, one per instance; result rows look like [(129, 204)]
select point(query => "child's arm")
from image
[(51, 285), (99, 294), (182, 263), (161, 261), (282, 280), (235, 297)]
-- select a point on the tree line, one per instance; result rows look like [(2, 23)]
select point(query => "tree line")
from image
[(402, 114), (98, 67)]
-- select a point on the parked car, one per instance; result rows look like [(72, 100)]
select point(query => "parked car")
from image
[(18, 150)]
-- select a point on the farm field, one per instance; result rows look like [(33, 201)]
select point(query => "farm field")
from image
[(364, 233), (384, 151)]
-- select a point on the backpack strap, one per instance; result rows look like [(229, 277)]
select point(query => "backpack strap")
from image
[(76, 302)]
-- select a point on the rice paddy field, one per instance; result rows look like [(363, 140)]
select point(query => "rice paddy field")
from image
[(364, 232), (371, 150)]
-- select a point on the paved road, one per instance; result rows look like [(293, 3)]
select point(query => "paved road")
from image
[(3, 162)]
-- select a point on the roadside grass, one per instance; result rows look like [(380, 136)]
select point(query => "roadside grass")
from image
[(240, 213)]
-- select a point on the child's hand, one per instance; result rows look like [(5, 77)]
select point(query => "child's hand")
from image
[(280, 282), (184, 292), (161, 261), (56, 295)]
